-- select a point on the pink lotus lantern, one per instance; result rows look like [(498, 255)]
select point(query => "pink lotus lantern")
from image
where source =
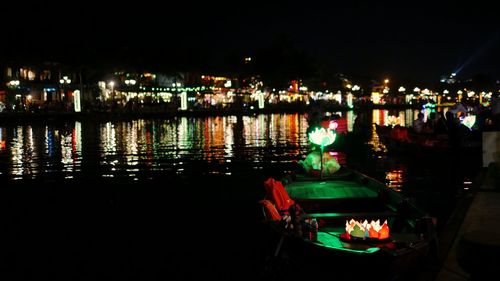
[(364, 230), (333, 125)]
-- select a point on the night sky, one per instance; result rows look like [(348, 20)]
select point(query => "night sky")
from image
[(411, 41)]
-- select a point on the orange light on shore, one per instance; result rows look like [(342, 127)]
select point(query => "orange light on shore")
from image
[(363, 230)]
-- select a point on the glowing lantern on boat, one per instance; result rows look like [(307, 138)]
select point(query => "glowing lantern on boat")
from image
[(322, 137), (372, 230), (469, 121), (333, 125)]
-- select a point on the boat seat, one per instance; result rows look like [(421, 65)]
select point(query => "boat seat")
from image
[(367, 215), (336, 218)]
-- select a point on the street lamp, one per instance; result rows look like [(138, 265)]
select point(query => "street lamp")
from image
[(130, 82), (14, 85), (64, 82)]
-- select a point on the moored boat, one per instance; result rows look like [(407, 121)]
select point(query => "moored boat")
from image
[(360, 223), (401, 140)]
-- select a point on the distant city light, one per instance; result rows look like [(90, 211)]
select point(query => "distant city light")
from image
[(14, 83), (77, 101), (65, 80), (130, 82)]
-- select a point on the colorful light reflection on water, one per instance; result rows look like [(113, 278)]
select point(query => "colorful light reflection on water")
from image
[(211, 145), (137, 149)]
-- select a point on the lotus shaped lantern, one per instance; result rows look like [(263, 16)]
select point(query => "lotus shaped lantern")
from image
[(469, 121), (322, 137), (364, 230)]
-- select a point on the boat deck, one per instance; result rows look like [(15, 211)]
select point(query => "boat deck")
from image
[(338, 189), (329, 238)]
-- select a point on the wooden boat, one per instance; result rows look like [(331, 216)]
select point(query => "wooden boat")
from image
[(400, 140), (336, 201)]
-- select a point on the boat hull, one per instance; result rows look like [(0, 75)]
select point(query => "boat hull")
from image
[(351, 195)]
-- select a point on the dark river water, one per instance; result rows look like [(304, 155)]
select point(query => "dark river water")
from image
[(141, 149), (162, 198)]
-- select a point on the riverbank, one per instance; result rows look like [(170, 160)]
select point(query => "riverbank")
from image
[(473, 247), (27, 117)]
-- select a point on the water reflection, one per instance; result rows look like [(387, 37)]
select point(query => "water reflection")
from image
[(402, 117), (224, 145), (2, 139), (216, 145), (23, 153), (395, 178), (71, 149), (374, 141), (350, 120)]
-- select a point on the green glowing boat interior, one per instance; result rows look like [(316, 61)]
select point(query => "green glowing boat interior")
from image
[(329, 190)]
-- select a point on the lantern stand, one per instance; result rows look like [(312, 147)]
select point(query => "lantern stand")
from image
[(322, 147)]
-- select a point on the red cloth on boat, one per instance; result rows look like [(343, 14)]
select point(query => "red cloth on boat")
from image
[(403, 134), (270, 210), (276, 193)]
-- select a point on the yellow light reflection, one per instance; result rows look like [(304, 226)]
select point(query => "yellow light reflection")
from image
[(23, 153), (395, 179), (2, 139)]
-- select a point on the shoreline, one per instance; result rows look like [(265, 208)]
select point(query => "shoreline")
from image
[(8, 117)]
